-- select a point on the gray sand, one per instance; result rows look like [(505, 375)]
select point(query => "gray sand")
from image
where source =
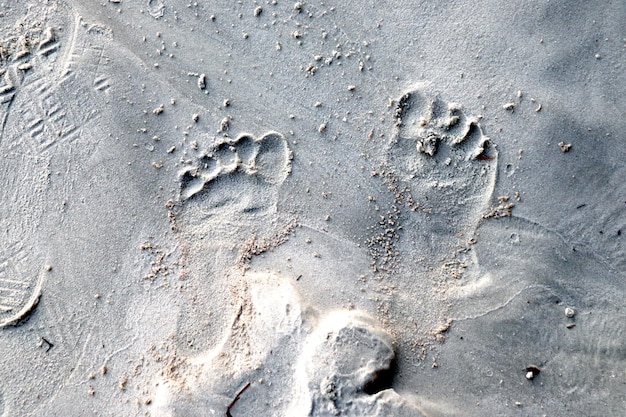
[(312, 208)]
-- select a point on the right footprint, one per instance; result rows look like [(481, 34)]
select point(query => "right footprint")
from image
[(445, 158)]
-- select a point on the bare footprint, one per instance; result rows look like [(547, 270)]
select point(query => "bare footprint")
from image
[(340, 366), (234, 171), (231, 189), (443, 171), (447, 168), (228, 195), (445, 158)]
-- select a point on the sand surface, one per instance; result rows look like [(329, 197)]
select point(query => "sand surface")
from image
[(318, 208)]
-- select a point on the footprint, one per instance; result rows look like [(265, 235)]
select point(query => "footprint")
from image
[(23, 175), (340, 369), (445, 159), (227, 208), (443, 176), (236, 170), (34, 83)]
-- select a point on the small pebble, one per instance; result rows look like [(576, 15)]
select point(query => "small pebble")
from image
[(202, 81)]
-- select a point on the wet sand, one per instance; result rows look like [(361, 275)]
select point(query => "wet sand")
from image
[(312, 208)]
